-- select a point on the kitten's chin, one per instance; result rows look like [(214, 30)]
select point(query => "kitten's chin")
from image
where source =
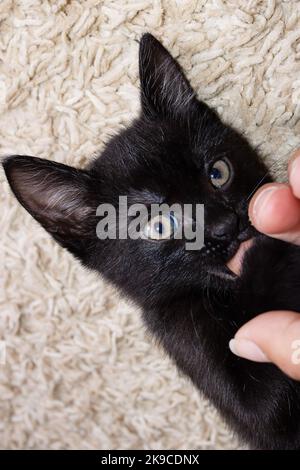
[(236, 262)]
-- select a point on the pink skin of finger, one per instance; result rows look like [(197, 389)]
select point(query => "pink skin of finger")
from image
[(273, 336)]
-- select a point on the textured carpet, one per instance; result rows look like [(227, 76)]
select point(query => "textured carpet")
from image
[(80, 371)]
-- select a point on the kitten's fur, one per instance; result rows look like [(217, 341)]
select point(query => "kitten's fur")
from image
[(190, 301)]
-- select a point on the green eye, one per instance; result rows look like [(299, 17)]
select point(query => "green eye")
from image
[(220, 173), (161, 227)]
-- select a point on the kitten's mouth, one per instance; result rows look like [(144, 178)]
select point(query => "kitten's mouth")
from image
[(236, 262), (232, 267)]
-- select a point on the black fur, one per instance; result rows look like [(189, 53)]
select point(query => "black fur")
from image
[(191, 303)]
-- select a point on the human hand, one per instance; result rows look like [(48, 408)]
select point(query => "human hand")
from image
[(275, 336)]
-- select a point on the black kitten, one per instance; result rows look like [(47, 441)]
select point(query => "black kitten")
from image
[(179, 151)]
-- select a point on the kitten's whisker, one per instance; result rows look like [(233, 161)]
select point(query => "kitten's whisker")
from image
[(261, 180), (256, 186), (194, 323)]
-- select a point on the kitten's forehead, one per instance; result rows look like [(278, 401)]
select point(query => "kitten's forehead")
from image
[(156, 158), (160, 156), (198, 135)]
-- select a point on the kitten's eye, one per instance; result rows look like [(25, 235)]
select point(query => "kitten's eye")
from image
[(161, 227), (220, 173)]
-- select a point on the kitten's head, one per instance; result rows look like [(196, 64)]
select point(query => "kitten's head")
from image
[(177, 151)]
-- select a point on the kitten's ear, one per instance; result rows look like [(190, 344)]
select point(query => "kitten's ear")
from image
[(59, 197), (164, 88)]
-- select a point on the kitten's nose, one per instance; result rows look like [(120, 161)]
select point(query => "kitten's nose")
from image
[(225, 228)]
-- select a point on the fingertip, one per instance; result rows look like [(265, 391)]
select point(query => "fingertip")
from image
[(277, 335), (254, 206), (247, 349), (294, 174), (294, 157), (273, 209)]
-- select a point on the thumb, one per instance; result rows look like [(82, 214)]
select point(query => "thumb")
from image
[(271, 337)]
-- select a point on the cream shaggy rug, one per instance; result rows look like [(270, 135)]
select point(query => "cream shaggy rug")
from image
[(80, 371)]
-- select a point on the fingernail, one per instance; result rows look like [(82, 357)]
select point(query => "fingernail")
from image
[(247, 349), (295, 169), (261, 202)]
